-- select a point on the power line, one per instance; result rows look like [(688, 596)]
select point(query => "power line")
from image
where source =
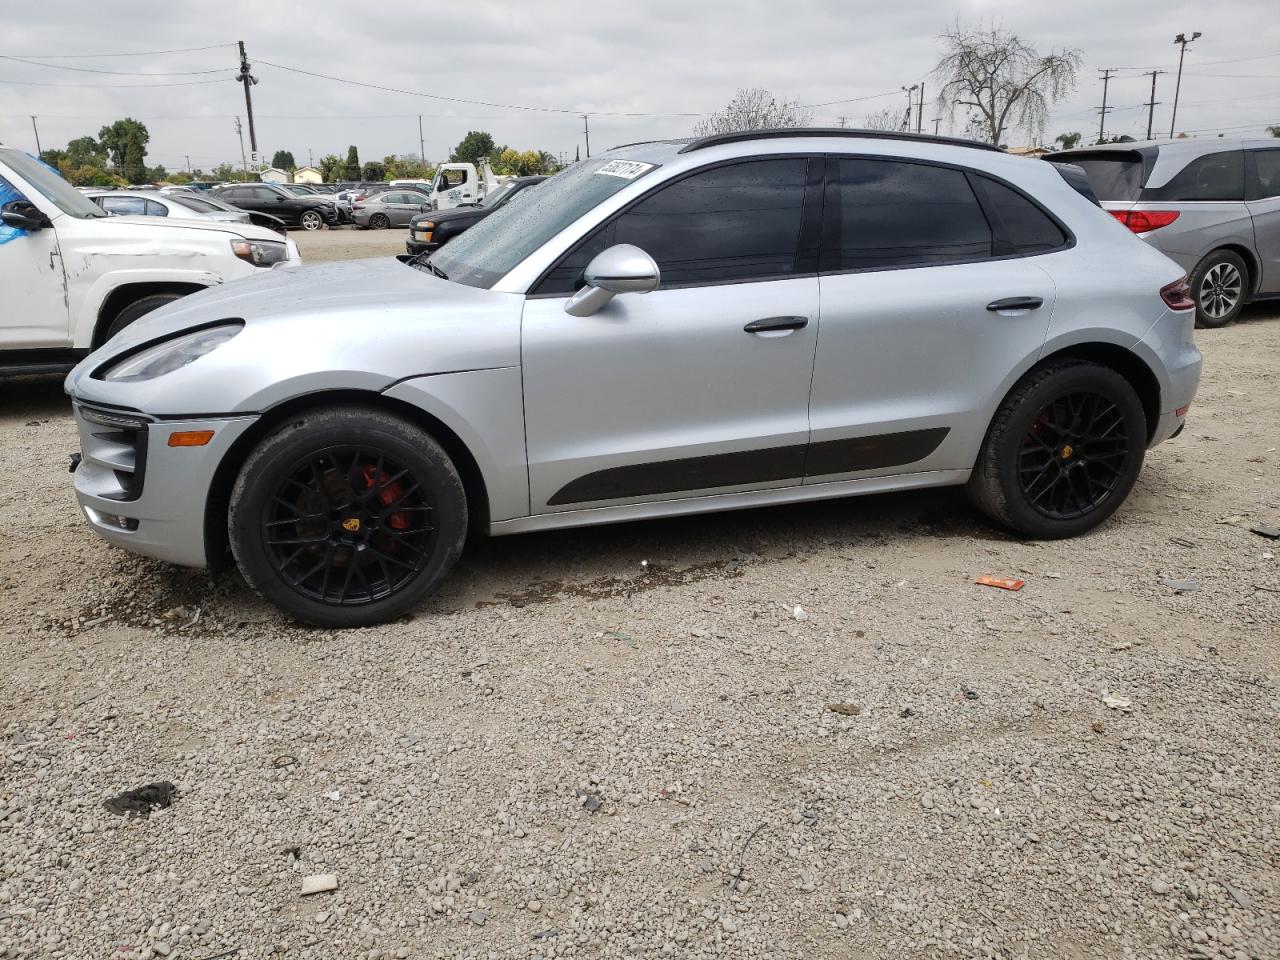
[(481, 103), (113, 86), (119, 73), (874, 96), (144, 53)]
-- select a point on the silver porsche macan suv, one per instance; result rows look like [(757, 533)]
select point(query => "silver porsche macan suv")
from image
[(669, 328)]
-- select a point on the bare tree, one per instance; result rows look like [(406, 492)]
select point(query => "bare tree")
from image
[(1001, 81), (886, 119), (754, 109)]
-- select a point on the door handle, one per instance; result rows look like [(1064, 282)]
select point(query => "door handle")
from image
[(1015, 303), (776, 323)]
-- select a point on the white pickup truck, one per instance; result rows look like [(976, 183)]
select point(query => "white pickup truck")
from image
[(460, 184), (71, 276)]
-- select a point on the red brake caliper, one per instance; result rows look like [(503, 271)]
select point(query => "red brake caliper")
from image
[(389, 494)]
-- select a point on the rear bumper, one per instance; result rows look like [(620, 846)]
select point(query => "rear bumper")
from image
[(139, 493), (1177, 362)]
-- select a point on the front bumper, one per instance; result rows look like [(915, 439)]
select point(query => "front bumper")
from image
[(139, 493), (416, 247)]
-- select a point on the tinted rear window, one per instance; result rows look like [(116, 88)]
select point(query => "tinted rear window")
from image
[(1112, 176)]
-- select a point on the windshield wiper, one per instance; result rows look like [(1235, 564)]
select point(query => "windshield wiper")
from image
[(436, 270)]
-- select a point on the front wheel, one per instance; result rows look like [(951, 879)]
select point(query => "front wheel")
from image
[(1220, 284), (311, 220), (1063, 451), (138, 309), (347, 517)]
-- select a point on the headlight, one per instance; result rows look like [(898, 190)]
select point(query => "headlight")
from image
[(261, 253), (172, 354)]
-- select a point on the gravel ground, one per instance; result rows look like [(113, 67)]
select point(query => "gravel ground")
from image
[(349, 243), (796, 732)]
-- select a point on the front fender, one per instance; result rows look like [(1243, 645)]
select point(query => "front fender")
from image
[(89, 288)]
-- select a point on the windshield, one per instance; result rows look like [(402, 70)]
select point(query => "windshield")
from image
[(51, 186), (489, 250), (1113, 176), (495, 198), (194, 203)]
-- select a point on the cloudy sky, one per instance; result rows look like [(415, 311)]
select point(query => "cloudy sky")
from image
[(664, 59)]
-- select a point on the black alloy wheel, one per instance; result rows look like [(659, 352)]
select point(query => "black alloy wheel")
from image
[(348, 525), (1073, 456), (347, 516)]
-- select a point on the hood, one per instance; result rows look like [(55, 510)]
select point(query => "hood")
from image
[(456, 214), (232, 229), (361, 324)]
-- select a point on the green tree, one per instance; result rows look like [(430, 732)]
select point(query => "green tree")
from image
[(135, 161), (373, 170), (474, 147), (331, 167), (1274, 131), (1068, 140), (117, 139), (406, 167), (283, 160), (352, 170), (157, 174)]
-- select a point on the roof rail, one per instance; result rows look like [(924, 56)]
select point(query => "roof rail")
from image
[(716, 140)]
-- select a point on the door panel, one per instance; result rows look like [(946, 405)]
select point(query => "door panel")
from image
[(1264, 207), (665, 395), (33, 301), (908, 359)]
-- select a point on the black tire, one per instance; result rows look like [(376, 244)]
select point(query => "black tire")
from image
[(379, 221), (137, 309), (398, 564), (1040, 473), (311, 220), (1220, 286)]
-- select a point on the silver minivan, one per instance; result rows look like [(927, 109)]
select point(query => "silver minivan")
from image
[(1211, 205)]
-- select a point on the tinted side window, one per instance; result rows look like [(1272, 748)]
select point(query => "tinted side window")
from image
[(1266, 174), (1218, 176), (155, 209), (732, 223), (1020, 225), (881, 214), (565, 277)]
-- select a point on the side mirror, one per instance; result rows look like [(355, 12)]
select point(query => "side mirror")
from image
[(24, 215), (622, 268)]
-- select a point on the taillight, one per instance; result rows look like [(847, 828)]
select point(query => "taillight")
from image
[(1177, 295), (1144, 221)]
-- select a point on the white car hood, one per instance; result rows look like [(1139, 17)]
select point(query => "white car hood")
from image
[(246, 230)]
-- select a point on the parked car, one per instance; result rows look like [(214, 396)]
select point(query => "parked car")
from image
[(667, 328), (310, 213), (392, 208), (72, 276), (1211, 205), (306, 190), (146, 203), (429, 231)]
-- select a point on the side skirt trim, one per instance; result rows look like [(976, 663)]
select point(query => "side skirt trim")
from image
[(728, 501)]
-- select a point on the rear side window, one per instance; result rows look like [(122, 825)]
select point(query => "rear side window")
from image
[(125, 206), (733, 223), (155, 209), (882, 214), (1021, 226), (1116, 177), (1217, 176), (1266, 174)]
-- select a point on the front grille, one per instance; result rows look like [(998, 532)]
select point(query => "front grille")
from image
[(114, 449)]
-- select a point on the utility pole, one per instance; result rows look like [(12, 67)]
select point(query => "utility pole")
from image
[(1182, 39), (586, 131), (248, 82), (422, 144), (843, 120), (1153, 102), (37, 130), (909, 91), (188, 156), (1102, 111), (920, 111), (310, 160), (937, 122), (240, 134)]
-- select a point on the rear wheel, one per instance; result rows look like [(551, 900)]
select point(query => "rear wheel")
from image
[(379, 221), (347, 517), (311, 220), (1220, 284), (138, 309), (1063, 451)]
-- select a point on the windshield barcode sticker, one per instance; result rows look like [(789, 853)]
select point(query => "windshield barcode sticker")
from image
[(626, 169)]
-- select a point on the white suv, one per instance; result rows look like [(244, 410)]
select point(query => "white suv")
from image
[(73, 276)]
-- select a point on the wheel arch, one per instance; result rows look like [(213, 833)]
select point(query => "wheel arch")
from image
[(128, 293), (1115, 357), (224, 478)]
